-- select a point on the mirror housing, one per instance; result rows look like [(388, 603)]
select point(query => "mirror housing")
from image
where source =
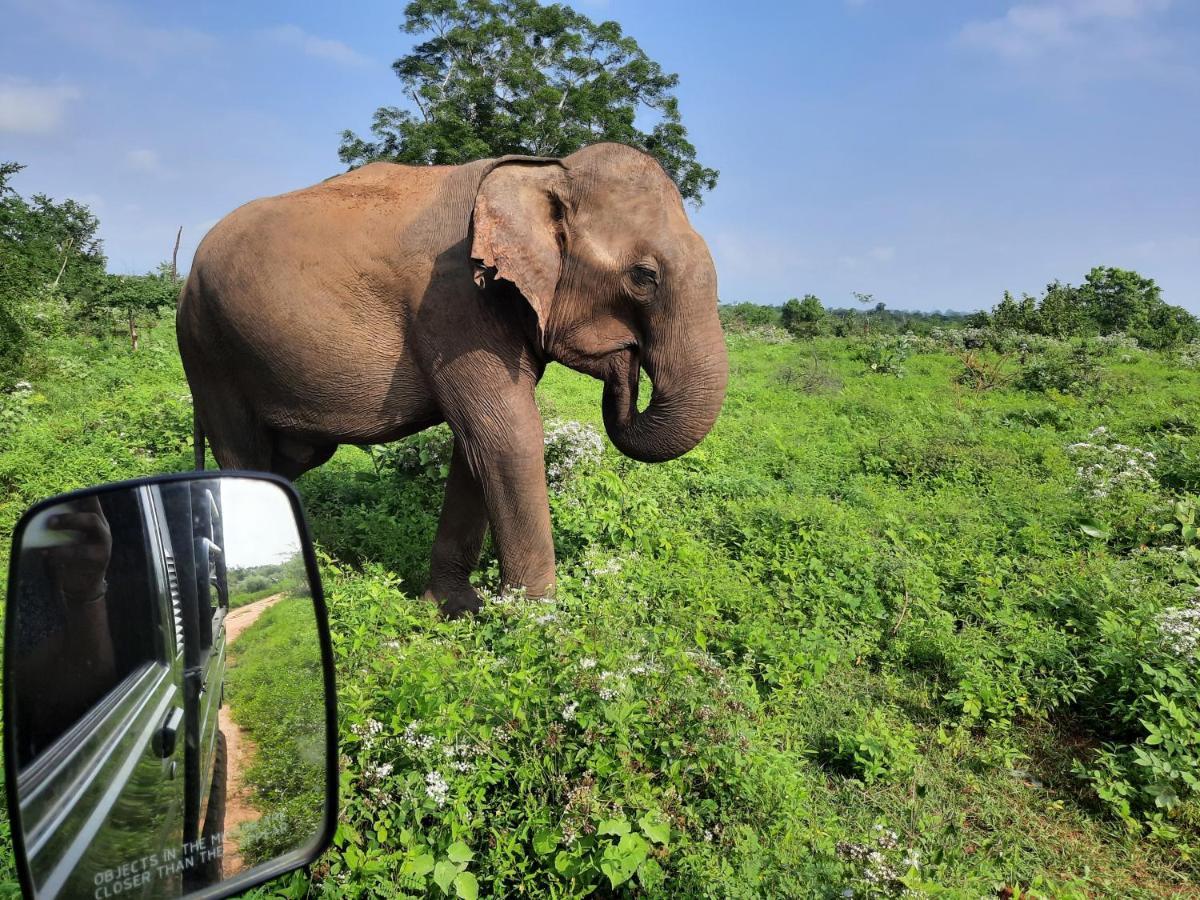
[(132, 608)]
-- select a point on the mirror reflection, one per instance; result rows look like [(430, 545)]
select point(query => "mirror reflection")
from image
[(165, 678)]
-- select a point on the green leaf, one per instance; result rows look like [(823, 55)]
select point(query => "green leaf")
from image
[(655, 827), (613, 826), (566, 863), (459, 852), (651, 874), (1095, 529), (466, 886), (444, 874), (620, 861), (420, 865), (545, 840)]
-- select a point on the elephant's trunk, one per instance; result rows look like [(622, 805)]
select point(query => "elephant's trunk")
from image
[(689, 388)]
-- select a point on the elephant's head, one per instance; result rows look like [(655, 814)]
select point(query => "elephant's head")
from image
[(601, 249)]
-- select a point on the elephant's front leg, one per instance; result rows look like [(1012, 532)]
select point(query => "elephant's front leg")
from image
[(502, 442), (459, 539)]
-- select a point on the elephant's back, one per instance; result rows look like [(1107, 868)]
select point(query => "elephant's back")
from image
[(299, 299)]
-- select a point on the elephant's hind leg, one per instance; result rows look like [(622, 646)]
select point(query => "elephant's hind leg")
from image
[(459, 539), (239, 439)]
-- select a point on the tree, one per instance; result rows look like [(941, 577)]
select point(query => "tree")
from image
[(513, 76), (134, 297), (803, 318), (1109, 301), (737, 316), (46, 248)]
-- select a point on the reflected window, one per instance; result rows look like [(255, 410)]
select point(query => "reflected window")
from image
[(87, 615)]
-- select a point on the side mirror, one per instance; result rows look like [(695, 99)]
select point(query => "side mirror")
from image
[(170, 727)]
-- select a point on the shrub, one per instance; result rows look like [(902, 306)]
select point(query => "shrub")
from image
[(885, 354), (1072, 371), (876, 749)]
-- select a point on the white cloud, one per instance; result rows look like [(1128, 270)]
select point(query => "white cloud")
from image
[(322, 48), (111, 31), (27, 108), (146, 161), (1083, 37)]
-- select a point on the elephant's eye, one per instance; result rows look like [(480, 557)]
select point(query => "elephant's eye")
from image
[(644, 276)]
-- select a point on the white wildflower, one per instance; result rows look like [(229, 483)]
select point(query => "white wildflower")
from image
[(587, 663), (413, 738), (569, 445), (1179, 629), (436, 788), (568, 711)]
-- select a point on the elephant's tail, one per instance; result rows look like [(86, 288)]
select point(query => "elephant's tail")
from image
[(198, 438)]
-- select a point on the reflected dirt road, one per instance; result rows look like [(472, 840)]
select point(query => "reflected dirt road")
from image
[(239, 748)]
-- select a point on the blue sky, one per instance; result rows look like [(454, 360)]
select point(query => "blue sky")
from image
[(933, 153)]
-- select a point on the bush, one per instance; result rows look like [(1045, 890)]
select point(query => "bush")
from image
[(876, 749), (1072, 371), (885, 354)]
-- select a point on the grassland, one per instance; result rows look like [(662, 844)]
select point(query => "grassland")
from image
[(875, 635)]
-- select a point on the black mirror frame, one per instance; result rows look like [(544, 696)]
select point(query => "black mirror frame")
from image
[(290, 862)]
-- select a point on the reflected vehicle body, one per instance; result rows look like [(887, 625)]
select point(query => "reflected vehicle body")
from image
[(122, 801), (126, 667)]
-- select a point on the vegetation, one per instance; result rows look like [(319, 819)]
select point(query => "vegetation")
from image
[(53, 279), (250, 583), (1109, 302), (922, 614), (512, 76), (275, 691)]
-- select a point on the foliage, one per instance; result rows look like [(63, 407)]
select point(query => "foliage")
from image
[(898, 604), (1110, 301), (512, 76), (803, 318), (274, 686), (250, 583), (885, 354), (1068, 370), (43, 245)]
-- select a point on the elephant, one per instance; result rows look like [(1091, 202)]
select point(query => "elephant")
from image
[(391, 298)]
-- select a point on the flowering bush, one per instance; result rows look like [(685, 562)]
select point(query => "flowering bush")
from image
[(736, 335), (1179, 628), (1106, 466), (571, 447), (635, 762), (885, 354), (1189, 356)]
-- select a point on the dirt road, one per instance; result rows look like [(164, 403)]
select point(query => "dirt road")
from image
[(239, 748)]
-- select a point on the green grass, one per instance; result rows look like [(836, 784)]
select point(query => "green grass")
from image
[(864, 605), (274, 688)]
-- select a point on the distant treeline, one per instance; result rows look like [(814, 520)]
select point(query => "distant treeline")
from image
[(1110, 301)]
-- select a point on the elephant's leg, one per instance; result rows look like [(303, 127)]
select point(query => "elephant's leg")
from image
[(238, 438), (507, 458), (459, 539)]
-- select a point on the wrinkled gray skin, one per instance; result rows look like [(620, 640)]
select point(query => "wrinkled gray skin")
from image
[(391, 298)]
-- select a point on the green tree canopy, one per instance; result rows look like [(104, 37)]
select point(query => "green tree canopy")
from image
[(513, 76), (45, 248), (803, 317), (1109, 301), (43, 242)]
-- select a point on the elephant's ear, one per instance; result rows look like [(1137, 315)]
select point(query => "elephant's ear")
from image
[(517, 229)]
